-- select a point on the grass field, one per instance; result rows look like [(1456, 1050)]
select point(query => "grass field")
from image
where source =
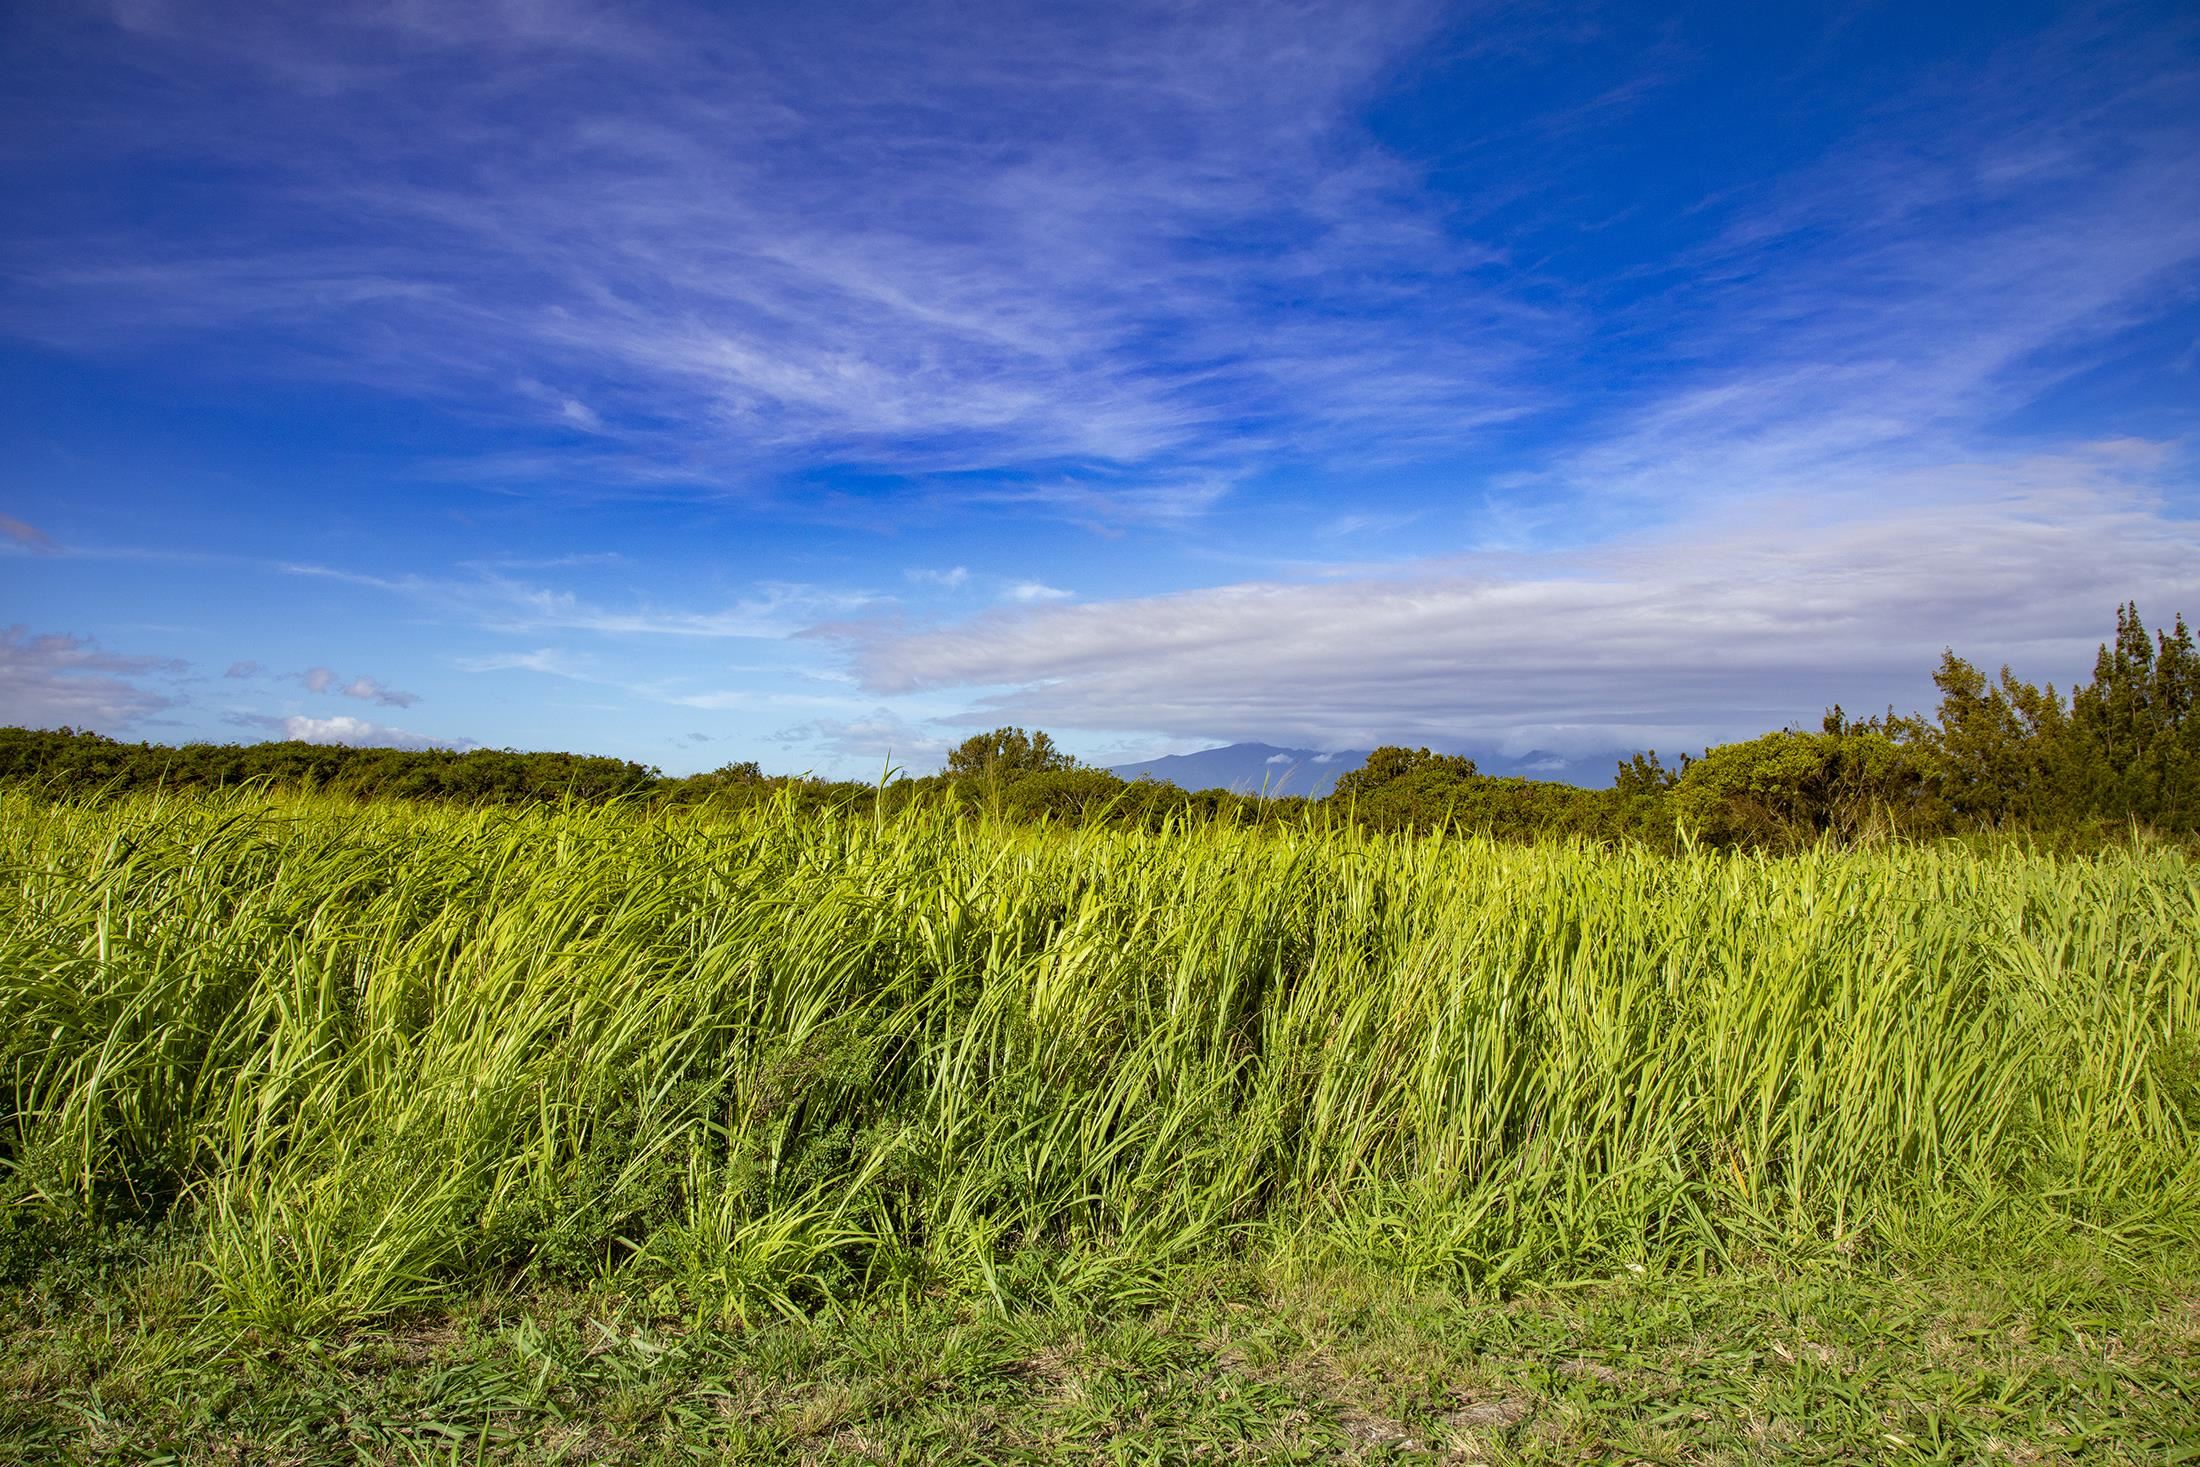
[(422, 1134)]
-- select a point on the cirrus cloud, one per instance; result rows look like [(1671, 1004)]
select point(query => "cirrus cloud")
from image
[(14, 532), (732, 242)]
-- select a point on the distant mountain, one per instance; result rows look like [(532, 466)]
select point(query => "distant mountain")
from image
[(1249, 769)]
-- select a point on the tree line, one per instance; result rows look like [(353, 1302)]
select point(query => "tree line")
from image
[(2118, 751)]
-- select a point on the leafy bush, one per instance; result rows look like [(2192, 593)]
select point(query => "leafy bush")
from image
[(1788, 789)]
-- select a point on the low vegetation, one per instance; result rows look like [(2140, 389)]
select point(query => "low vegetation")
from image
[(902, 1132), (2119, 752)]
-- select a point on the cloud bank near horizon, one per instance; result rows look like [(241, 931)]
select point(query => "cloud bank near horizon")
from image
[(1656, 642)]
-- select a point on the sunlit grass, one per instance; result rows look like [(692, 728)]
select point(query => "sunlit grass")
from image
[(366, 1058)]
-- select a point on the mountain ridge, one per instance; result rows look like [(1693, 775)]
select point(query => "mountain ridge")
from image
[(1254, 767), (1250, 769)]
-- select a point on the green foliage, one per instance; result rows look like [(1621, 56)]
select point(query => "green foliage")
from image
[(333, 1129), (1417, 790), (1790, 789), (2122, 750), (1407, 789), (1007, 751), (1643, 777), (1393, 765), (2136, 727), (68, 761), (1074, 795), (2000, 1348), (2001, 749), (363, 1059)]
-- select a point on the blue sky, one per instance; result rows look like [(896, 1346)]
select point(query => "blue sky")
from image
[(813, 383)]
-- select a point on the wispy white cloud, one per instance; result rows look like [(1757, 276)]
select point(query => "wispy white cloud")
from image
[(1108, 503), (547, 660), (53, 678), (789, 237), (954, 578), (1674, 639), (1032, 592), (1109, 267), (674, 692), (493, 601), (1361, 524), (1895, 305), (570, 561), (881, 734), (16, 535)]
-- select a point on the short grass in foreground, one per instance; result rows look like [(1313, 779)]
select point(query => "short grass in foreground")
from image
[(2089, 1355), (427, 1132)]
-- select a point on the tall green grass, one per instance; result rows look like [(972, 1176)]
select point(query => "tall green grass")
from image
[(363, 1056)]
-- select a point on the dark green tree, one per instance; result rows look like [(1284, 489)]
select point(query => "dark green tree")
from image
[(1007, 751), (1998, 749), (1643, 775), (1790, 788), (2132, 726), (1391, 763)]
